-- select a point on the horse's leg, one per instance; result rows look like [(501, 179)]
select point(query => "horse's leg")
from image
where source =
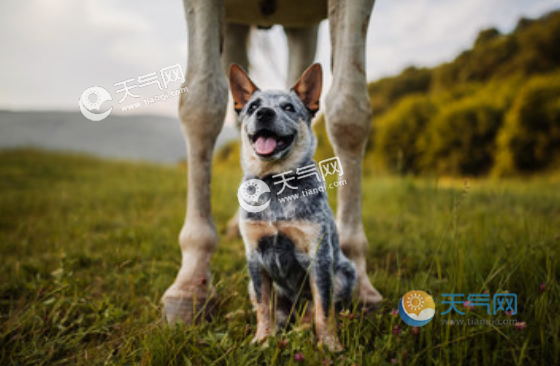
[(302, 46), (235, 46), (202, 110), (235, 52), (348, 115)]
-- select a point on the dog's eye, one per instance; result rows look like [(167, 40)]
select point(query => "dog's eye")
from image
[(252, 108), (288, 107)]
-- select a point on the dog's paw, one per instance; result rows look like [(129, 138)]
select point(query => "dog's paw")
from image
[(331, 342), (260, 337), (369, 298)]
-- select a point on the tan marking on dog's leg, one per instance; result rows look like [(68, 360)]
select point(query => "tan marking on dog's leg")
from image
[(202, 112), (348, 115), (264, 322), (307, 318), (325, 326), (304, 234), (253, 231)]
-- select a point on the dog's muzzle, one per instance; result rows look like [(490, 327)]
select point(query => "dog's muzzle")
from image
[(267, 143)]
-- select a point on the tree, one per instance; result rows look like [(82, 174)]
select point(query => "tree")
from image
[(398, 131), (530, 138), (461, 139)]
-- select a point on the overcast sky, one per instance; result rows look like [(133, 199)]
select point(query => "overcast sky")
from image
[(52, 50)]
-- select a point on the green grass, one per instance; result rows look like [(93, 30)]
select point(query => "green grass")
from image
[(88, 247)]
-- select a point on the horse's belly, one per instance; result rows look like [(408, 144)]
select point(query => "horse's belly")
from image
[(291, 13)]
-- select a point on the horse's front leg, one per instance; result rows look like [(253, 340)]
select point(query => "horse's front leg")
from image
[(348, 116), (202, 112)]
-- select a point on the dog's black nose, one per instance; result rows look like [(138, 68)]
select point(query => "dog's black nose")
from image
[(265, 114)]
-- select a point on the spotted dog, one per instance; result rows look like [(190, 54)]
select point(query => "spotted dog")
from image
[(292, 247)]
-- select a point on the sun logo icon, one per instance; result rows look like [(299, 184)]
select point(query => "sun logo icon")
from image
[(92, 99), (249, 193), (252, 191), (414, 302), (417, 308)]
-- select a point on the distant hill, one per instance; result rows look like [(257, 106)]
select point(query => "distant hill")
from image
[(139, 137), (532, 48)]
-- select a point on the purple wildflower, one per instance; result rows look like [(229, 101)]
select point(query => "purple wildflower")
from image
[(520, 326)]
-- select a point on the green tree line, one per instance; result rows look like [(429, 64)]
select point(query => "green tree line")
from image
[(495, 109)]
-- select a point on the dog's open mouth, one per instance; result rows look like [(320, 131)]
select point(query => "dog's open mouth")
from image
[(267, 143)]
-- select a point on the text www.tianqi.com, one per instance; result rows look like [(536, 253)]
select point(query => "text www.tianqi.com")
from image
[(310, 192), (158, 98), (475, 321)]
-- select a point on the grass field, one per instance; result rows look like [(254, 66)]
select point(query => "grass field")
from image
[(88, 247)]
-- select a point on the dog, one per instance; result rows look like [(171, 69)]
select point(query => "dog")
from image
[(292, 246)]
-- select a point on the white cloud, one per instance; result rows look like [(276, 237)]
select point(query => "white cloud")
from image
[(424, 314)]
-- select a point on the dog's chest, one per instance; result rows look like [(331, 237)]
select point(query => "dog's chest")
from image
[(283, 248), (285, 264), (304, 235)]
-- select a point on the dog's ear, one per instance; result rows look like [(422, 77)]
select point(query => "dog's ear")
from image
[(241, 87), (309, 86)]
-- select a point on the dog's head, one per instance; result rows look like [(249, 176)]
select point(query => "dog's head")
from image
[(276, 125)]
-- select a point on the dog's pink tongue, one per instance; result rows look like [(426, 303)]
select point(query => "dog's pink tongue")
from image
[(265, 145)]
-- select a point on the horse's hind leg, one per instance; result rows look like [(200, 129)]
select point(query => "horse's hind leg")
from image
[(302, 46), (235, 52)]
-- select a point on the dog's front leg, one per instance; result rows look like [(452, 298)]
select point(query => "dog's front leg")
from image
[(260, 291), (321, 281)]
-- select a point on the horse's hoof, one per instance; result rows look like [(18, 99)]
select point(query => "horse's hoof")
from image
[(187, 308)]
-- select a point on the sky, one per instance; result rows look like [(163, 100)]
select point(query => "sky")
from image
[(52, 50)]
